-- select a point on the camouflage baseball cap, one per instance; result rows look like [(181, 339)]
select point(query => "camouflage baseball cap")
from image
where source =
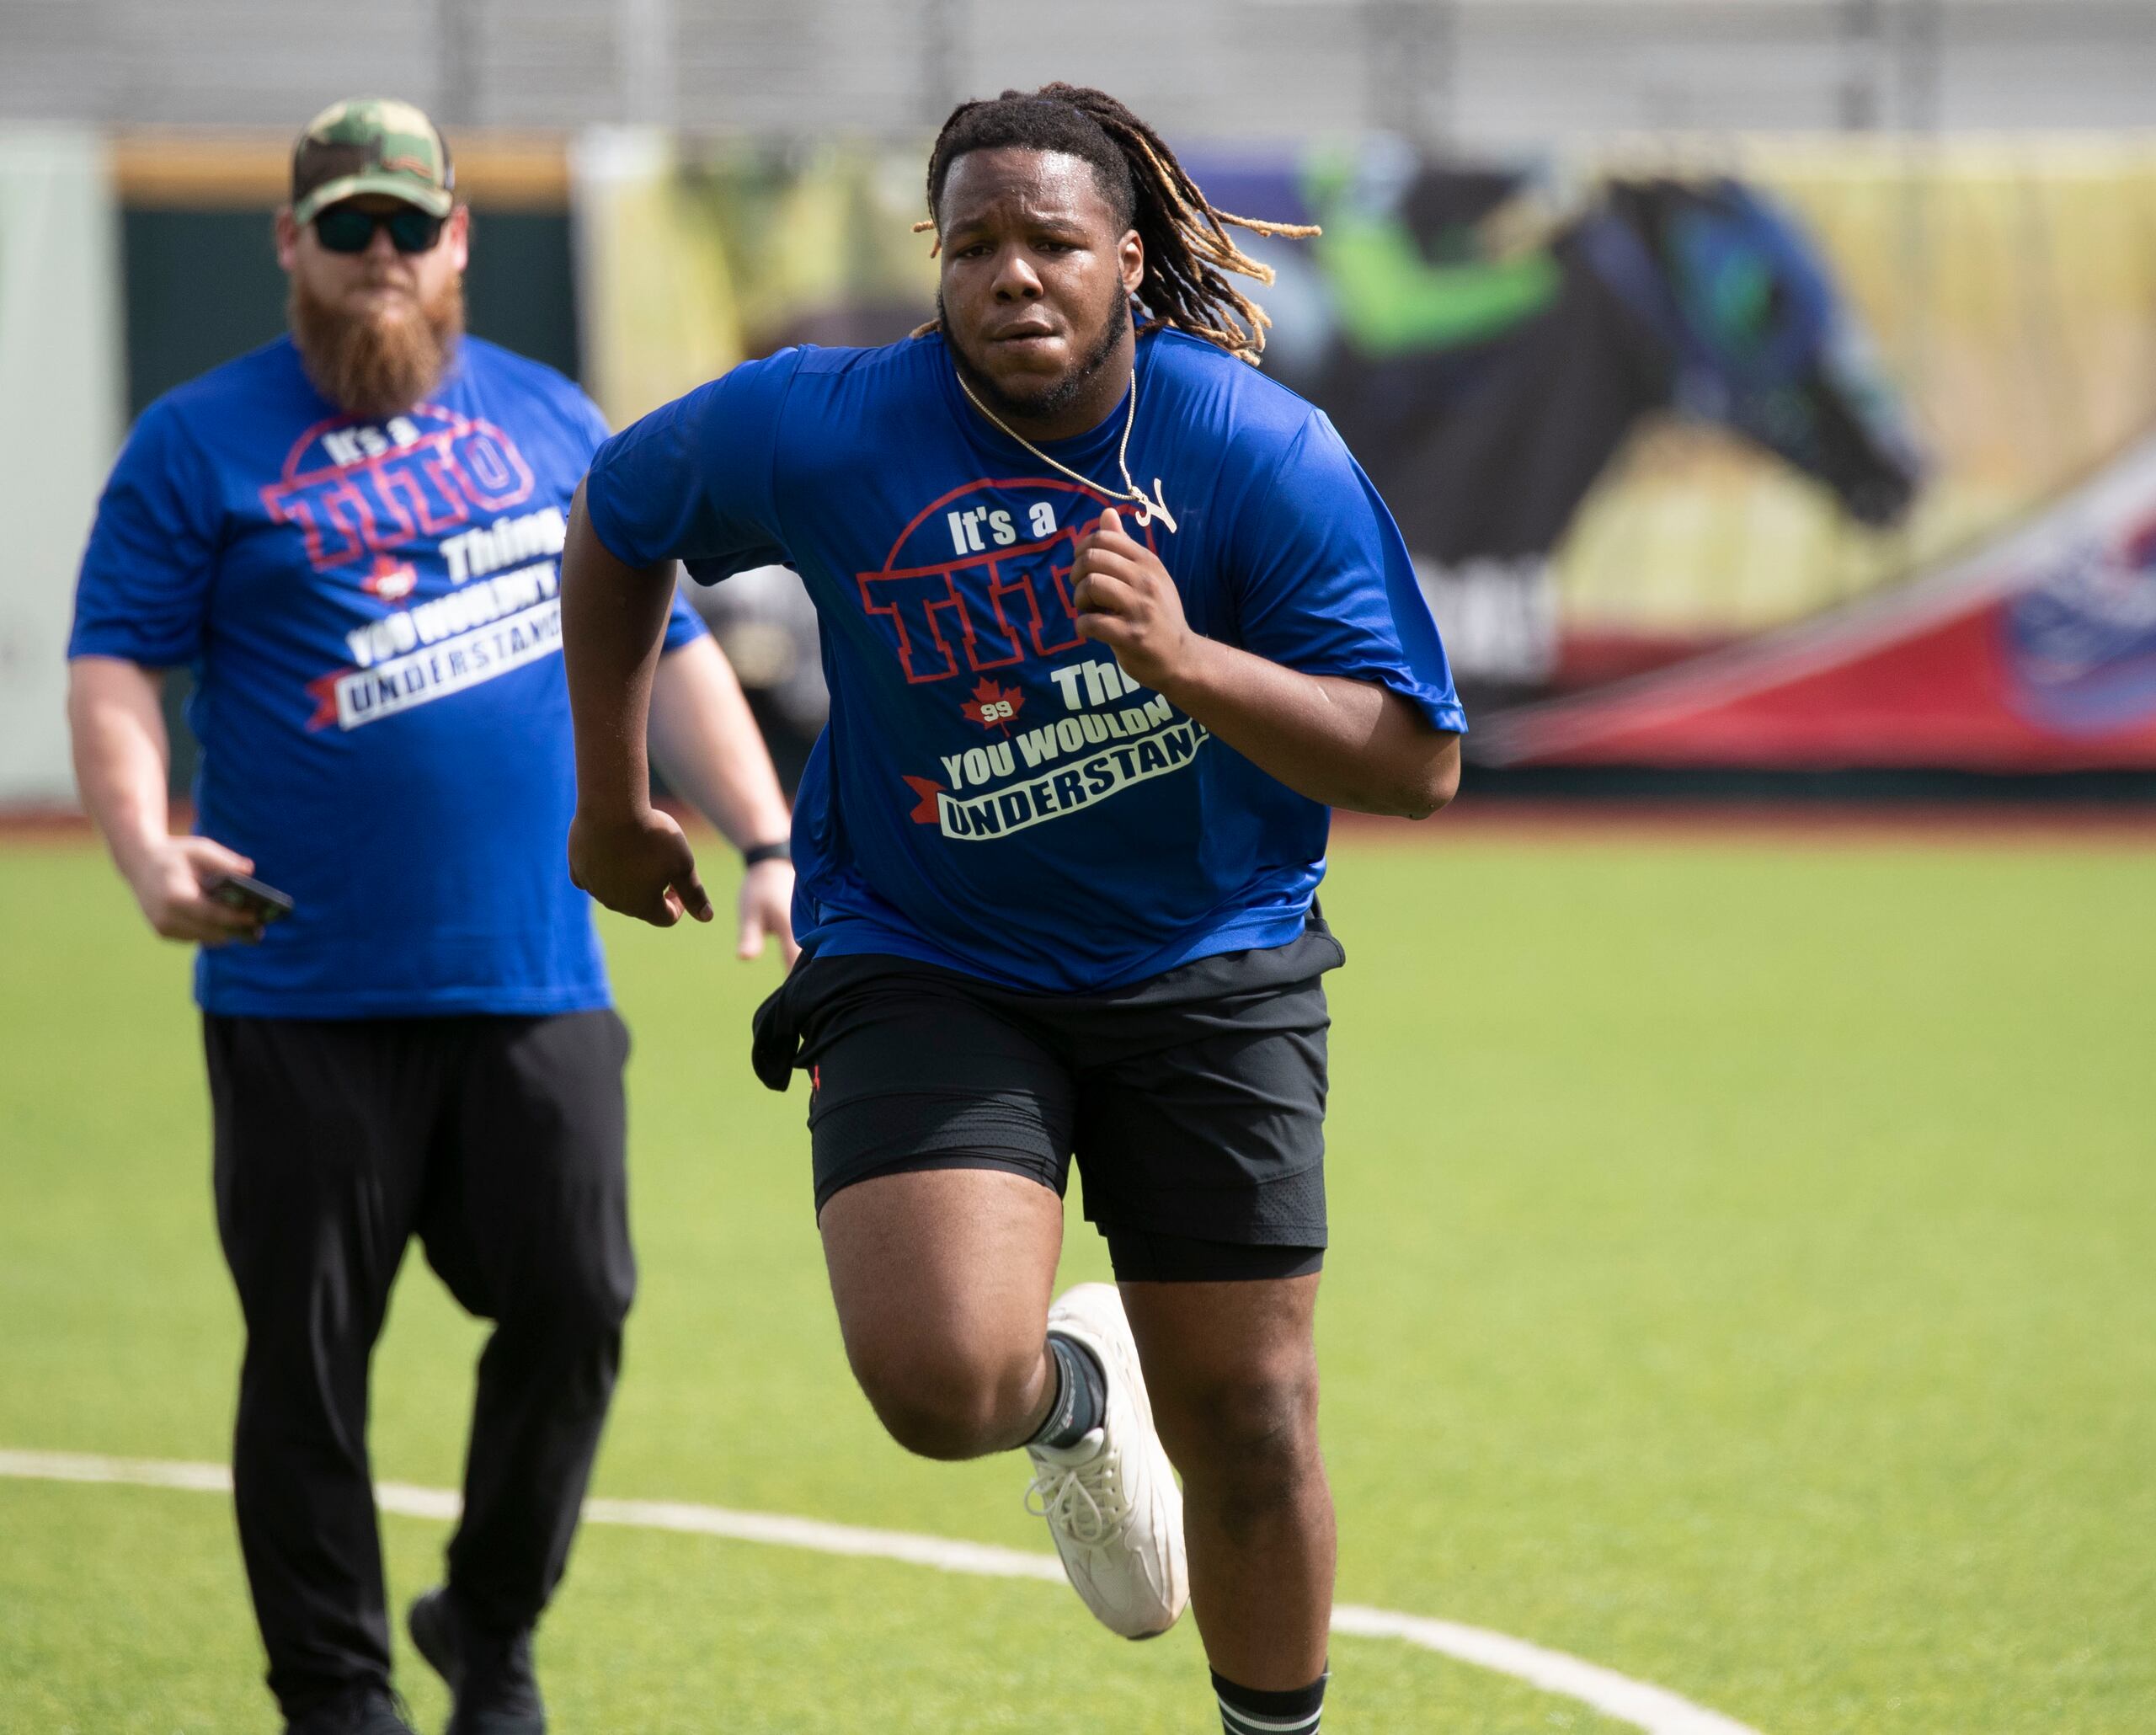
[(372, 145)]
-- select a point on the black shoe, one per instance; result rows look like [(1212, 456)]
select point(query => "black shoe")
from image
[(363, 1711), (489, 1674)]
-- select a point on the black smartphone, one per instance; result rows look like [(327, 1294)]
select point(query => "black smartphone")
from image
[(240, 891)]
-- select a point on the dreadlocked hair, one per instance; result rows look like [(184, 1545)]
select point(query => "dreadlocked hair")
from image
[(1188, 253)]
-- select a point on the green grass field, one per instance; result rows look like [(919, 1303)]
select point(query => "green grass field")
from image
[(1743, 1277)]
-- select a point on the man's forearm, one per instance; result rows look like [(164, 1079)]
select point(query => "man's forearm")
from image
[(709, 748), (116, 727), (1349, 744), (613, 623)]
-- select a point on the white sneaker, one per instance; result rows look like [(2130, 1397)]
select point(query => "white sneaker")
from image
[(1111, 1500)]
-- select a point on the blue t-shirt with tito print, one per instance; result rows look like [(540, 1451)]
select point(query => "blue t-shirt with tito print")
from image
[(371, 608), (991, 793)]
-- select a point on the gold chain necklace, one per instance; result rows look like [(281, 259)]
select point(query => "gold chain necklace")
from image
[(1131, 492)]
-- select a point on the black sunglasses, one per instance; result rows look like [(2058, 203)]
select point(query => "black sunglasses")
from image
[(346, 228)]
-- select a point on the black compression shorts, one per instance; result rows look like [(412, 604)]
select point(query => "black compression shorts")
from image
[(1193, 1102)]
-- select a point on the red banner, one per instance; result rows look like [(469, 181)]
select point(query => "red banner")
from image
[(2036, 655)]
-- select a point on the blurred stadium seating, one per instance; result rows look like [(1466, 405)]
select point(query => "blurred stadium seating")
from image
[(1503, 73)]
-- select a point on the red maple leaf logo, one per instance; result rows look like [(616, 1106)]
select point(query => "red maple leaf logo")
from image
[(994, 707), (391, 580)]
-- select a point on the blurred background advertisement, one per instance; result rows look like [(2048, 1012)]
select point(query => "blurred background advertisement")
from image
[(1759, 387), (1632, 405)]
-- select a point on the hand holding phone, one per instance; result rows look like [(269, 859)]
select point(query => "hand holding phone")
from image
[(172, 878), (243, 892)]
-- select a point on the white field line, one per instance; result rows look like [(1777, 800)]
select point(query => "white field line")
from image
[(1645, 1706)]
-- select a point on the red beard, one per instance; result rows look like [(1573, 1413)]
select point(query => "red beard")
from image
[(382, 363)]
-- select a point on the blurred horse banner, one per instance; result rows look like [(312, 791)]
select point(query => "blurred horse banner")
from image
[(1638, 412), (1488, 347)]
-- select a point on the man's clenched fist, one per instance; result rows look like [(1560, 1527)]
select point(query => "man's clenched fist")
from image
[(1127, 601), (638, 863)]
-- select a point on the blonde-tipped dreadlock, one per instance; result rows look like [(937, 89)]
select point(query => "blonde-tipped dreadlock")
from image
[(1188, 253)]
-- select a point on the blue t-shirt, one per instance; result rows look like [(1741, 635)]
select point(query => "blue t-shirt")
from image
[(990, 793), (371, 610)]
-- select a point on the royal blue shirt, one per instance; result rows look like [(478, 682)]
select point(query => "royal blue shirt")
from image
[(990, 793), (370, 609)]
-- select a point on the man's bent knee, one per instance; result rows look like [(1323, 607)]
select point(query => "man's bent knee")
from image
[(574, 1305), (948, 1405)]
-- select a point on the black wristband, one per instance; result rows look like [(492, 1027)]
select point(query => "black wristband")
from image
[(779, 851)]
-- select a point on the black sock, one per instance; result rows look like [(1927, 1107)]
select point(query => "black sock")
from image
[(1081, 1394), (1245, 1711)]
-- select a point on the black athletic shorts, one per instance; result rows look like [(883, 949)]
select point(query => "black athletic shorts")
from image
[(1193, 1101)]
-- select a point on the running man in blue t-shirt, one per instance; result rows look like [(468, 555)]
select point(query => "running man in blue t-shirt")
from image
[(352, 535), (1109, 622)]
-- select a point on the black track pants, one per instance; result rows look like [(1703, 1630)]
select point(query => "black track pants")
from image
[(499, 1142)]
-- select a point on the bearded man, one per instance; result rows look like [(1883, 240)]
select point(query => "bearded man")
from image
[(353, 535)]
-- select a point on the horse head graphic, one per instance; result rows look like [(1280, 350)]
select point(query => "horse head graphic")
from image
[(1753, 335), (1486, 350)]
